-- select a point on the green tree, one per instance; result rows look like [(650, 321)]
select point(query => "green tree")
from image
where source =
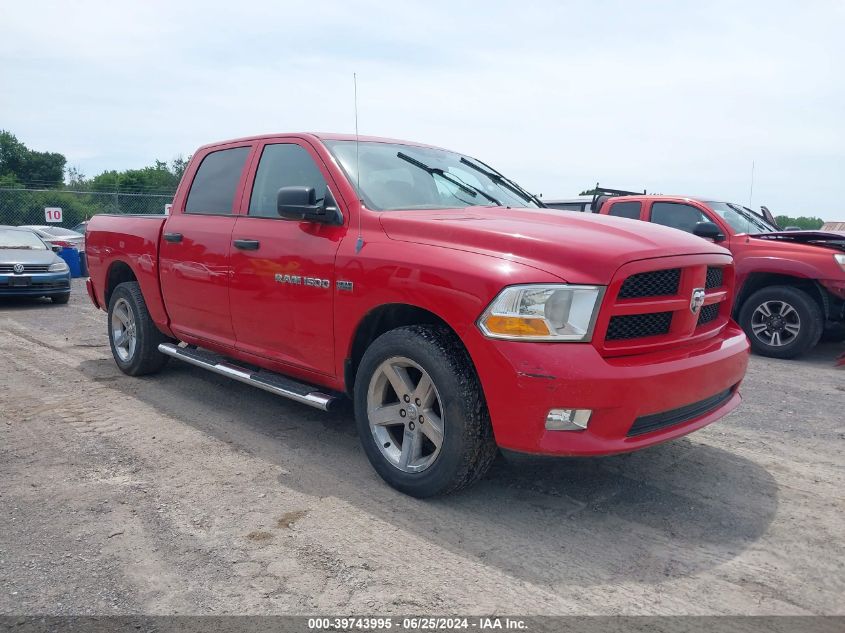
[(28, 167), (159, 178), (803, 222)]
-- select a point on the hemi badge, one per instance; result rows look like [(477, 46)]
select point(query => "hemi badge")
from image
[(344, 285)]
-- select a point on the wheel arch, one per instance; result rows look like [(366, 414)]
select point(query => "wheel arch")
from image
[(759, 280), (382, 319), (119, 272)]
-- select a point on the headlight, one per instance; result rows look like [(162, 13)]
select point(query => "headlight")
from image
[(840, 259), (58, 267), (547, 312)]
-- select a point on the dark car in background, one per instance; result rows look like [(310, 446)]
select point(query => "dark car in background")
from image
[(30, 268)]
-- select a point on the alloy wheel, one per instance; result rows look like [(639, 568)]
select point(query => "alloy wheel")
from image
[(775, 323), (123, 330), (405, 414)]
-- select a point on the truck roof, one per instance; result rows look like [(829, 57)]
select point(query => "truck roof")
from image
[(319, 136), (660, 196)]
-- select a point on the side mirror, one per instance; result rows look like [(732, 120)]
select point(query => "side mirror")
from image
[(300, 203), (709, 231), (55, 248)]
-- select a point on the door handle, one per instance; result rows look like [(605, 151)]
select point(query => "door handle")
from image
[(247, 245), (173, 237)]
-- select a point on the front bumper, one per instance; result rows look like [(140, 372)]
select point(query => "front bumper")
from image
[(40, 285), (523, 381)]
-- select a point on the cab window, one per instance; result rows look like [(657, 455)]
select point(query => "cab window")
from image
[(626, 210), (677, 215), (283, 165), (216, 183)]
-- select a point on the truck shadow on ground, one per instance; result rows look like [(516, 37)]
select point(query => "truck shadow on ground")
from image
[(667, 512), (20, 304)]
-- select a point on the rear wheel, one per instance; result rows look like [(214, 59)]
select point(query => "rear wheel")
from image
[(133, 336), (420, 412), (781, 321)]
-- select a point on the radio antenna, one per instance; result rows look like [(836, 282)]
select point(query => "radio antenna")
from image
[(359, 243)]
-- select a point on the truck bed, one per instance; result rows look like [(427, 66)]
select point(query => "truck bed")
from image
[(121, 238)]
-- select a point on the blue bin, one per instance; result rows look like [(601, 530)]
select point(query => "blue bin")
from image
[(71, 257)]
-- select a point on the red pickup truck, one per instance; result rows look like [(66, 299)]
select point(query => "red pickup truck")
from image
[(457, 313), (790, 285)]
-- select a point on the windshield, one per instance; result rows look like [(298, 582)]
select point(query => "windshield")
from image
[(395, 177), (21, 239), (741, 219)]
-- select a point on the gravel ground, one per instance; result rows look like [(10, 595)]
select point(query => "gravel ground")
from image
[(187, 493)]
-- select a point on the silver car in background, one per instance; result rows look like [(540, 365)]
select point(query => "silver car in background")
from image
[(58, 236)]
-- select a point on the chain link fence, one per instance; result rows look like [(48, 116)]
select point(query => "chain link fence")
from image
[(26, 206)]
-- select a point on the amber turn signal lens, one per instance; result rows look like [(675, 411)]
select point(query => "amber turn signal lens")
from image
[(516, 326)]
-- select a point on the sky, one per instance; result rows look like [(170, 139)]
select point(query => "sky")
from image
[(673, 97)]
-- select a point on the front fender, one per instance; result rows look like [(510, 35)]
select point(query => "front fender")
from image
[(454, 285)]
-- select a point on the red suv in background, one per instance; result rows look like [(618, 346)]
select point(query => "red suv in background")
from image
[(790, 285)]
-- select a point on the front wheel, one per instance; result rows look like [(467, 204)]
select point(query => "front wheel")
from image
[(60, 299), (420, 412), (133, 336), (781, 321)]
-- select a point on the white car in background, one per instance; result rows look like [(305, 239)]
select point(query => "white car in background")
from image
[(58, 236), (579, 203)]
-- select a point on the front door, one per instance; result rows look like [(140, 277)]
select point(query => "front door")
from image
[(283, 282)]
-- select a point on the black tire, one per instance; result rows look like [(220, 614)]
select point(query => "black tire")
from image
[(468, 447), (810, 321), (60, 299), (146, 359)]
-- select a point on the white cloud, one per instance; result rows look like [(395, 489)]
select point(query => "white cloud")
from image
[(673, 97)]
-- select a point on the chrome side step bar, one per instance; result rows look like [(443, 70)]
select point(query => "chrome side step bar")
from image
[(266, 380)]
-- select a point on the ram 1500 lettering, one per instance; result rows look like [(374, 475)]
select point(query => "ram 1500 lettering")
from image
[(457, 313)]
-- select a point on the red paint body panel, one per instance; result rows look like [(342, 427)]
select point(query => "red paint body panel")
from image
[(522, 382), (269, 317), (133, 241), (452, 263)]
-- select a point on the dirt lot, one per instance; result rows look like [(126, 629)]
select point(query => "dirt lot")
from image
[(185, 493)]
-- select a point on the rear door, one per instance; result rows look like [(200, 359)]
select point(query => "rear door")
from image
[(194, 250), (283, 280), (631, 209)]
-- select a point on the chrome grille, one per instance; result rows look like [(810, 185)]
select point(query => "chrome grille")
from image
[(8, 269), (655, 283)]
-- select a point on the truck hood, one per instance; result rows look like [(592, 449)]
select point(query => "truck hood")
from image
[(578, 248), (828, 239)]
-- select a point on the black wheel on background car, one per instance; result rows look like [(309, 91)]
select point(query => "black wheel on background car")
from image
[(60, 299), (133, 336), (781, 321), (420, 412)]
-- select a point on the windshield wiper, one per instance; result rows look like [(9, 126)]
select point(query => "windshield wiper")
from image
[(499, 178), (466, 188), (752, 218)]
